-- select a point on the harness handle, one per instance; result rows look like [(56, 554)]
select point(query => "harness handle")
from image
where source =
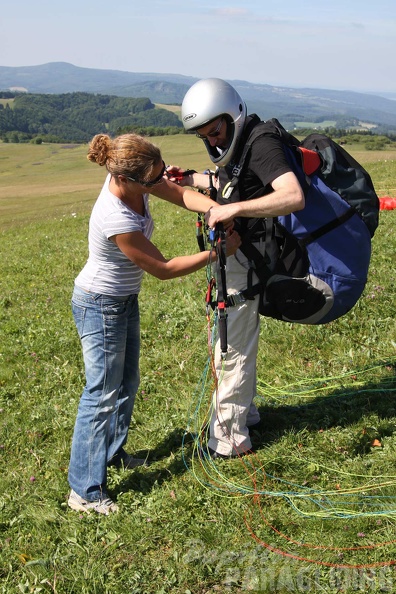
[(218, 237)]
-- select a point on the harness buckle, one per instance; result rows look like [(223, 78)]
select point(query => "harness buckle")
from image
[(235, 299)]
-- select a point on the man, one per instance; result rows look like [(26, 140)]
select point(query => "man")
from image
[(266, 187)]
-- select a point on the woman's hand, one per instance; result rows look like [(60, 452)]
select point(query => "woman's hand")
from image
[(233, 242), (177, 175)]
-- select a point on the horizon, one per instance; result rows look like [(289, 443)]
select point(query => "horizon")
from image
[(381, 93)]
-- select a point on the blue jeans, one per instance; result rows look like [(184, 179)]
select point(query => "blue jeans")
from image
[(109, 331)]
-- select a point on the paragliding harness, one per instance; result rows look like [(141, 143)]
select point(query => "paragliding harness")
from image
[(216, 239), (323, 250)]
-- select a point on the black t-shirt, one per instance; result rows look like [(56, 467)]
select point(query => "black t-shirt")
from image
[(264, 162)]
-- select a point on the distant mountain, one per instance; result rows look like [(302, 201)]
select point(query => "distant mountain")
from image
[(61, 77), (288, 104)]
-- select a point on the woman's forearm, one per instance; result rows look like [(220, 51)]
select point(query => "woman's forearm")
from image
[(183, 196), (183, 265)]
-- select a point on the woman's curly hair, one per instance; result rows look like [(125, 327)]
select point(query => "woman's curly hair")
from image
[(128, 154)]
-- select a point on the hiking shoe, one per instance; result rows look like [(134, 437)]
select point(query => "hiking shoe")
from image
[(217, 456), (126, 461), (209, 453), (102, 506)]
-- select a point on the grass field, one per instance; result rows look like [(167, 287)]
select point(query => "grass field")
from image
[(46, 180), (173, 108), (5, 102), (330, 124), (313, 510), (314, 125)]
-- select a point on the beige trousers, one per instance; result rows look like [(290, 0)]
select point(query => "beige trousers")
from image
[(233, 407)]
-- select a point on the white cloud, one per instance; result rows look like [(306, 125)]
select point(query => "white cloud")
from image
[(231, 12)]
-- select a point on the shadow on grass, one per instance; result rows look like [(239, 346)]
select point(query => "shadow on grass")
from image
[(343, 407), (143, 480)]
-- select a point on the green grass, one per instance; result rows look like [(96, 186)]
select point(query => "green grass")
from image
[(42, 181), (5, 102), (326, 393), (173, 108), (330, 124)]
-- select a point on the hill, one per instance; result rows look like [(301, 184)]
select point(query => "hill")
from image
[(345, 108), (76, 117)]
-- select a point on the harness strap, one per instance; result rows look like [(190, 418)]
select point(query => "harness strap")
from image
[(328, 227), (218, 239), (259, 264), (211, 191)]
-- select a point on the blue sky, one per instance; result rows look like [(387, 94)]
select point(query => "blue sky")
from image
[(348, 44)]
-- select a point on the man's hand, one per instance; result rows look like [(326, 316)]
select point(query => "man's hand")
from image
[(224, 213)]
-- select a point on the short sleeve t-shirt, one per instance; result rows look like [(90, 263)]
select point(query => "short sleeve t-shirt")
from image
[(265, 162), (108, 271)]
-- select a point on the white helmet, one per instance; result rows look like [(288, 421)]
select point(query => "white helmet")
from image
[(207, 100)]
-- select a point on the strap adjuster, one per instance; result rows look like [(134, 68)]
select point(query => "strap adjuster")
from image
[(235, 299)]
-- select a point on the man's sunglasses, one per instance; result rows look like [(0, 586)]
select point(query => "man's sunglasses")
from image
[(149, 184), (214, 133)]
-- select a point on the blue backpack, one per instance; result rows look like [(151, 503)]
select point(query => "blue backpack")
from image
[(325, 248)]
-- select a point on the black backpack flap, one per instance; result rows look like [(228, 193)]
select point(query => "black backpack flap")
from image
[(303, 300), (344, 175), (273, 126), (293, 257)]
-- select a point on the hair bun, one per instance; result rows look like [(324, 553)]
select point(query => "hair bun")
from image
[(99, 149)]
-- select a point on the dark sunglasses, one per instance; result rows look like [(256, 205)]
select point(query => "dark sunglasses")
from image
[(214, 133), (149, 184)]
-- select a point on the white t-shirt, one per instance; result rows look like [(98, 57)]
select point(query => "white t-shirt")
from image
[(108, 270)]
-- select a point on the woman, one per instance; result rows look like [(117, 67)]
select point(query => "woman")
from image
[(105, 305)]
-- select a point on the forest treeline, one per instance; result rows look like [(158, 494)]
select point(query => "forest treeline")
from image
[(77, 117)]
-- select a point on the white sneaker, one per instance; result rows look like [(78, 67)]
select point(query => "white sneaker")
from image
[(101, 506)]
